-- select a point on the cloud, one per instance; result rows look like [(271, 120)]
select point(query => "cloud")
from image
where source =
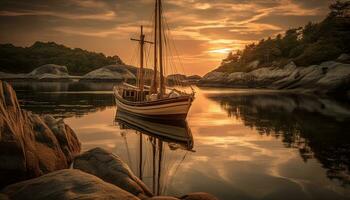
[(200, 27), (101, 16)]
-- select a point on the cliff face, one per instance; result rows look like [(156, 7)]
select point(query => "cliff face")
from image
[(31, 145), (327, 77)]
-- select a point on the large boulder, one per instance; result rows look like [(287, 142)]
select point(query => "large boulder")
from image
[(49, 71), (116, 72), (31, 145), (112, 169), (63, 185)]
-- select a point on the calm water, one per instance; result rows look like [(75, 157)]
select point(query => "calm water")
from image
[(248, 144)]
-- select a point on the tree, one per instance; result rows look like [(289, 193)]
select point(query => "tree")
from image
[(340, 9)]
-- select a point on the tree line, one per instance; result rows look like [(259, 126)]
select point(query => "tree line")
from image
[(312, 44), (78, 61)]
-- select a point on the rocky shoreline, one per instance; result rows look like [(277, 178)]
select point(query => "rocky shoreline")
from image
[(326, 78), (52, 72), (41, 158)]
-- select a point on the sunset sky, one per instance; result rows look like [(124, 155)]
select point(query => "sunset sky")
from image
[(204, 30)]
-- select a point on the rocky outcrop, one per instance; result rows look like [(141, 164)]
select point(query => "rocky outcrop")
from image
[(111, 169), (325, 78), (47, 72), (116, 72), (30, 144), (66, 184), (6, 76), (182, 79), (345, 58)]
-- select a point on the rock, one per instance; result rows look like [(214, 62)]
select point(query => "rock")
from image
[(182, 79), (5, 76), (66, 137), (162, 198), (344, 58), (49, 71), (215, 78), (174, 77), (199, 196), (116, 72), (30, 144), (194, 77), (327, 77), (111, 169), (66, 184)]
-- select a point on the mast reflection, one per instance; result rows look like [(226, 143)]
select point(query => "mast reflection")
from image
[(162, 146)]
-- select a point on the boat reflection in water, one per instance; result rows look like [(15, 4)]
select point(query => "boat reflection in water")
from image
[(162, 147)]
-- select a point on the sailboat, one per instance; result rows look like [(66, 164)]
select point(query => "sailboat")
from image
[(156, 100)]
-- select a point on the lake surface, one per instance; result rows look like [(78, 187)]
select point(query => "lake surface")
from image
[(247, 144)]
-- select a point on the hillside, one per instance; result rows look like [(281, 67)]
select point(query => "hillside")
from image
[(25, 59), (310, 58), (309, 45)]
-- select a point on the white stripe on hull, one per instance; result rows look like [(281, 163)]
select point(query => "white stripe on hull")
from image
[(176, 108)]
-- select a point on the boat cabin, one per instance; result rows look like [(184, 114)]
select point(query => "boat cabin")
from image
[(132, 93)]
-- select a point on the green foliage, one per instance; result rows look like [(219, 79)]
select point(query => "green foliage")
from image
[(318, 52), (312, 44), (23, 60)]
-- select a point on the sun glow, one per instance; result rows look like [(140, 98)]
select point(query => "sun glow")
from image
[(221, 51)]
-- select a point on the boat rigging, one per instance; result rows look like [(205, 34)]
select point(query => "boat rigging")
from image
[(156, 100)]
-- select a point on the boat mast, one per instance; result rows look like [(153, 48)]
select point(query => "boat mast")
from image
[(154, 85), (161, 85), (142, 42)]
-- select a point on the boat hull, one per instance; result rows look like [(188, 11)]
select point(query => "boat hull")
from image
[(175, 108)]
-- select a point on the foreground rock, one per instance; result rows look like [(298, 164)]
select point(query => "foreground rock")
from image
[(111, 169), (66, 184), (31, 145), (116, 72), (327, 77), (102, 175), (199, 196), (74, 184)]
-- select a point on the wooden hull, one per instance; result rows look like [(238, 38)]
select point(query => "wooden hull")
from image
[(172, 108)]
